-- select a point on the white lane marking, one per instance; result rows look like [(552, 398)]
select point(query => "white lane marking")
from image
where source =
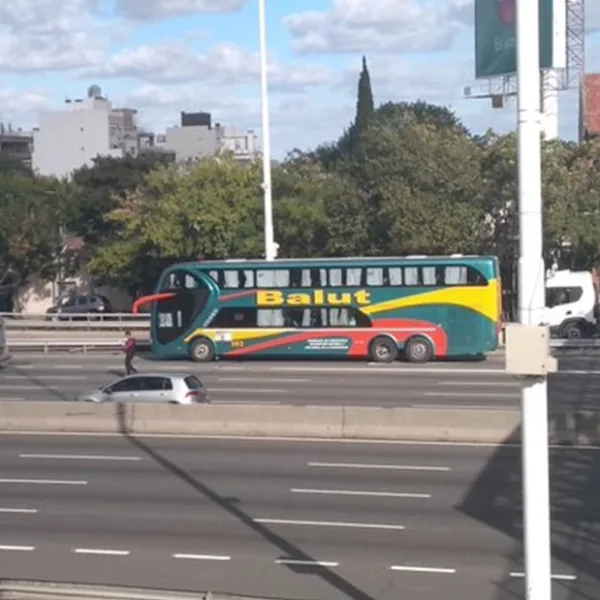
[(25, 511), (81, 457), (53, 366), (101, 552), (213, 390), (465, 406), (557, 577), (329, 524), (382, 467), (481, 383), (45, 481), (215, 557), (18, 548), (306, 563), (473, 394), (58, 377), (246, 379), (28, 387), (411, 569), (358, 493)]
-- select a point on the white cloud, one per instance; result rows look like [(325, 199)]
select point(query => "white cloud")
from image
[(224, 64), (153, 10), (50, 35), (374, 26)]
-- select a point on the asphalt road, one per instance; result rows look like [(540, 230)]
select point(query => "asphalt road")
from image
[(298, 520), (467, 385)]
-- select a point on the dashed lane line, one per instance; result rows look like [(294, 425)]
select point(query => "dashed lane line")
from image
[(331, 465), (306, 563), (27, 511), (212, 557), (81, 457), (17, 548), (418, 569), (342, 524), (43, 481), (359, 493), (556, 577), (101, 552)]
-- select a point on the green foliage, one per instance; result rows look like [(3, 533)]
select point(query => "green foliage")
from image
[(405, 178), (98, 189)]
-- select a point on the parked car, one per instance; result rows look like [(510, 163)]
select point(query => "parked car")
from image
[(174, 388), (81, 305)]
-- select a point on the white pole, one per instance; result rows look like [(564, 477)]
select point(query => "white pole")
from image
[(550, 104), (270, 247), (534, 397)]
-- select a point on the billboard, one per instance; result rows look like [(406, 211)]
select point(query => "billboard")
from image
[(495, 36)]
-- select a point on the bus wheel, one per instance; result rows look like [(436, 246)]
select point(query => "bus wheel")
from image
[(383, 350), (418, 350), (202, 350)]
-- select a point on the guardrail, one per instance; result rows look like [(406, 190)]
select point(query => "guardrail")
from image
[(67, 322)]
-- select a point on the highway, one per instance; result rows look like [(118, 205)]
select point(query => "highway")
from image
[(467, 385), (297, 520)]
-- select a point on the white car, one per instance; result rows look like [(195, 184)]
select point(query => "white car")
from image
[(173, 388)]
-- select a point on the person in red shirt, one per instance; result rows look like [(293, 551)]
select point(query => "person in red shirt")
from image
[(129, 351)]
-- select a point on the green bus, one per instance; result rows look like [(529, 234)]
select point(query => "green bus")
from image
[(373, 308)]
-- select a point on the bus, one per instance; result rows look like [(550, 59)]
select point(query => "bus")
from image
[(379, 309)]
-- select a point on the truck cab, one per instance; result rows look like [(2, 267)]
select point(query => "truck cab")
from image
[(571, 304)]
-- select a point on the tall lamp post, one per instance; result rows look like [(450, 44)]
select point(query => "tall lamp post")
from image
[(534, 394), (270, 245)]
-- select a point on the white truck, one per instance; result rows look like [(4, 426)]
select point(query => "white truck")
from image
[(571, 304)]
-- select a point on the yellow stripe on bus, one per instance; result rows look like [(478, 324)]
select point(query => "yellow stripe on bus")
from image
[(483, 300), (237, 335)]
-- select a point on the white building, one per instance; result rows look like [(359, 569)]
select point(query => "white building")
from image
[(67, 140), (196, 138)]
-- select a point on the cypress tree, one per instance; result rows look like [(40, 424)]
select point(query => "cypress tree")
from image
[(365, 106)]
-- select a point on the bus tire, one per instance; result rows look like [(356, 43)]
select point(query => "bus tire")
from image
[(202, 350), (419, 350), (383, 350)]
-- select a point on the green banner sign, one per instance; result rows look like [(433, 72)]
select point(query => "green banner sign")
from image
[(495, 37)]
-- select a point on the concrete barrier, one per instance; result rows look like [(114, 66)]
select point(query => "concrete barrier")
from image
[(328, 422), (451, 425)]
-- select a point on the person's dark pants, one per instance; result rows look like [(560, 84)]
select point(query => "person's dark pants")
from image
[(129, 368)]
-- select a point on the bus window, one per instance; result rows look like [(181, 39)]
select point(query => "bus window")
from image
[(270, 317), (455, 276), (231, 280), (374, 276), (429, 277), (353, 277), (411, 276), (174, 316), (395, 275), (230, 318), (335, 278), (247, 279)]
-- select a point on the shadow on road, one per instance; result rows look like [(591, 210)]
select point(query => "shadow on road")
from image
[(495, 499), (288, 549)]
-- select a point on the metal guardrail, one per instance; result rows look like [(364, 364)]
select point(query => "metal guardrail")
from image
[(66, 322)]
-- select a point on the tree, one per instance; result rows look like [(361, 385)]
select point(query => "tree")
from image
[(210, 211), (365, 105), (29, 233), (99, 189)]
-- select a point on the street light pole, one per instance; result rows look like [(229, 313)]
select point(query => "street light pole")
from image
[(270, 246), (534, 390)]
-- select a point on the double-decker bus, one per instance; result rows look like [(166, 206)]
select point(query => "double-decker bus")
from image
[(373, 308)]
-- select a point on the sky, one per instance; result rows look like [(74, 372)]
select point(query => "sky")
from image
[(167, 56)]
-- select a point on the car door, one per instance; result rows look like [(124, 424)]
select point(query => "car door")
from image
[(125, 390), (156, 389)]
